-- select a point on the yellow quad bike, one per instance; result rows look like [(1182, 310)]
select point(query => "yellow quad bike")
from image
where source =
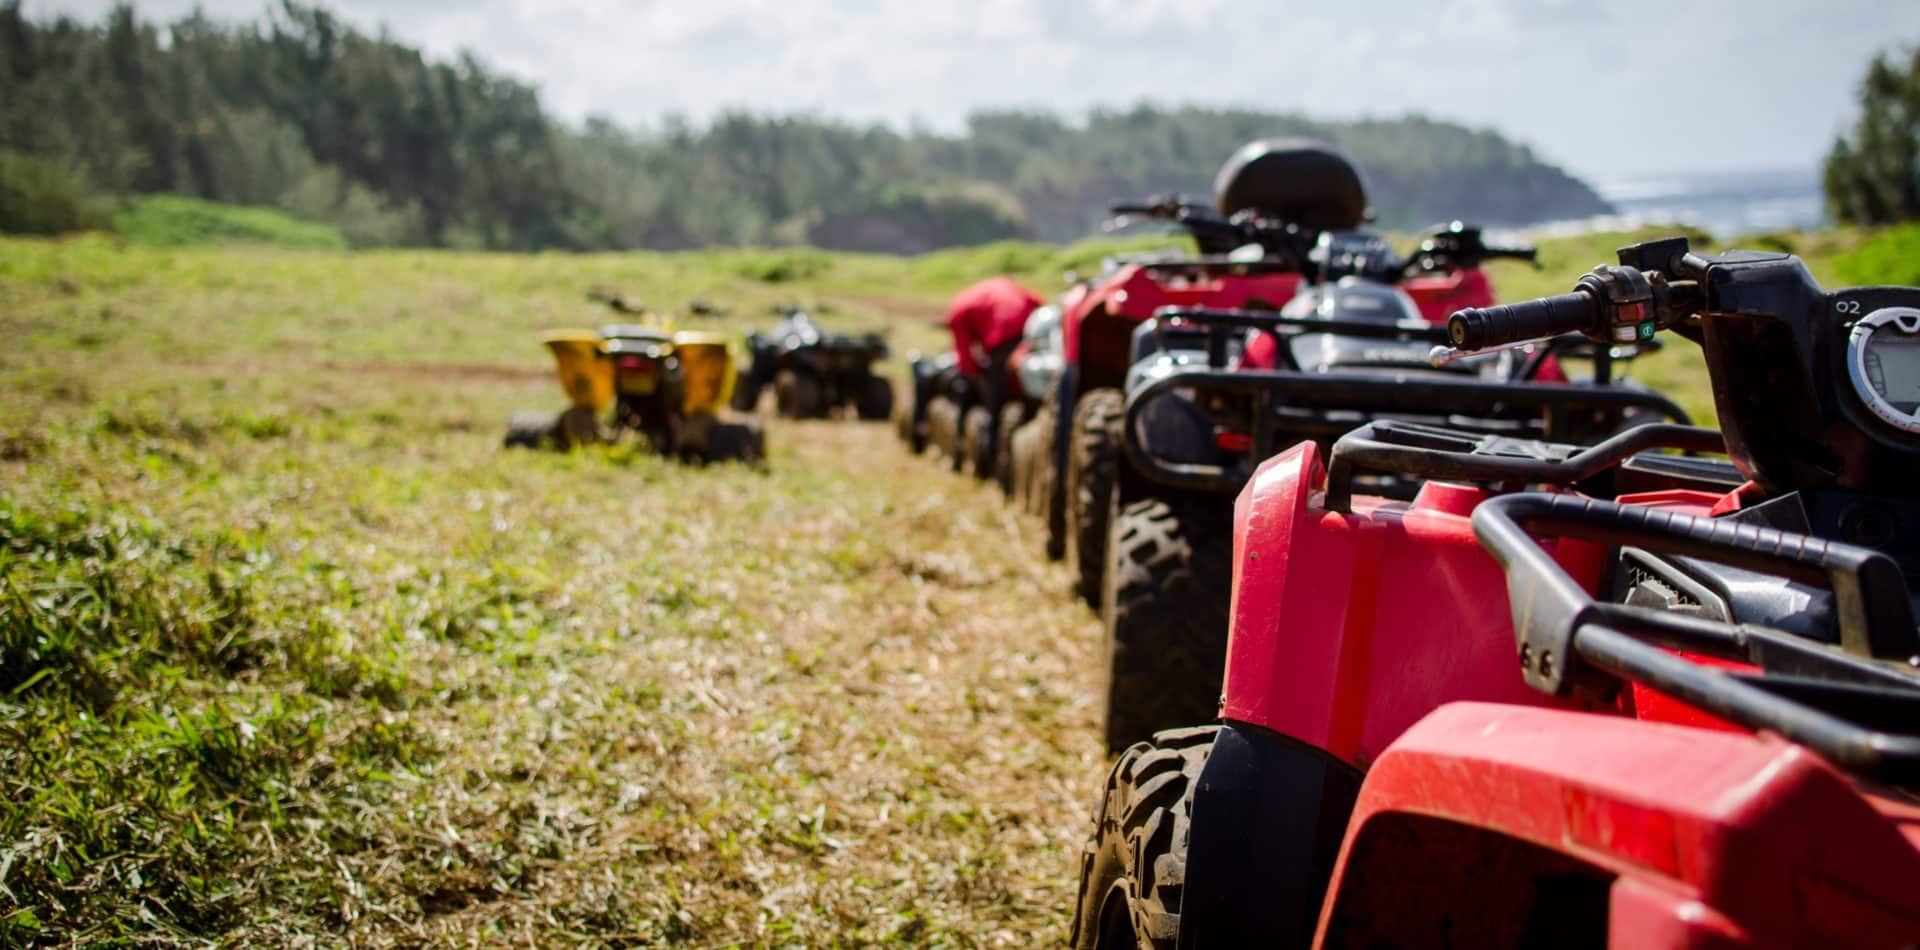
[(671, 387)]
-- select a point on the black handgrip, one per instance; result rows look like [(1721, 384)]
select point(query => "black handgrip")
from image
[(1518, 252), (1479, 328)]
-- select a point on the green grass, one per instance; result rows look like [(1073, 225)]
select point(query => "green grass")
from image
[(1889, 257), (178, 221), (290, 649)]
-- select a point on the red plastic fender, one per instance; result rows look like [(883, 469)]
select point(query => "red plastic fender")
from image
[(1439, 295), (1713, 838), (1134, 292), (1347, 628)]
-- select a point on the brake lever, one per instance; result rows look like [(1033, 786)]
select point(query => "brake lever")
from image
[(1443, 356)]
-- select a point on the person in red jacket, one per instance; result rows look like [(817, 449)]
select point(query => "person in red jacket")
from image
[(987, 321)]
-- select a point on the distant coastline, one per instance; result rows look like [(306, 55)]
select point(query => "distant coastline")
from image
[(1725, 204)]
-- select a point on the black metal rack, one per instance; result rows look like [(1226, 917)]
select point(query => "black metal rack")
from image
[(1402, 448), (1286, 406), (1857, 704), (1214, 265)]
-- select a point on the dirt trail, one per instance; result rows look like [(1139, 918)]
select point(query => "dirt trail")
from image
[(877, 725)]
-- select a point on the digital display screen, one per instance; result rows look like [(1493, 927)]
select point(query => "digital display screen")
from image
[(1893, 367)]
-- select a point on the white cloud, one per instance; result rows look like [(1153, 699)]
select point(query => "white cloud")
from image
[(1605, 88)]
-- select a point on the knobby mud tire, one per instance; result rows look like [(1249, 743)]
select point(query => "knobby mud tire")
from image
[(1133, 867), (1093, 473), (1166, 602)]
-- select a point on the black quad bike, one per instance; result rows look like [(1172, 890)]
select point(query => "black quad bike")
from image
[(931, 417), (813, 371), (1214, 393)]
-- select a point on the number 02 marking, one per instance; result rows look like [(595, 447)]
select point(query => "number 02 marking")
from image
[(1851, 307)]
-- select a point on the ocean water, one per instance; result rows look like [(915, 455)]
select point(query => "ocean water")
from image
[(1726, 204)]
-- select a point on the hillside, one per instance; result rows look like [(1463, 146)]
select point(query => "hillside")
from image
[(302, 112)]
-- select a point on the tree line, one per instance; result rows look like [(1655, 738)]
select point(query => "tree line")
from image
[(302, 112), (1873, 174)]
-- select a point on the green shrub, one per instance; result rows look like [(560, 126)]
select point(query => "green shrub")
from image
[(41, 196), (178, 221), (780, 267)]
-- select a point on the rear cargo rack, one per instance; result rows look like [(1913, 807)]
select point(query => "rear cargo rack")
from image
[(1857, 704), (1402, 448)]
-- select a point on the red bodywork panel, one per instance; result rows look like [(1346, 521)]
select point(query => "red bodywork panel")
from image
[(1385, 637), (1711, 839), (1134, 292), (1349, 628), (1439, 295)]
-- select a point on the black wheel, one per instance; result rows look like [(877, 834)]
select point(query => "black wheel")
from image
[(1011, 416), (746, 395), (912, 432), (1034, 470), (1035, 488), (943, 429), (743, 441), (1133, 868), (798, 395), (578, 426), (531, 430), (875, 400), (1093, 471), (976, 443), (1168, 591)]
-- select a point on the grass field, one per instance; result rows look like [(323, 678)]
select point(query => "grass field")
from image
[(291, 651)]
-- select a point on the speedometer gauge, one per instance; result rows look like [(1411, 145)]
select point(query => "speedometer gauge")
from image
[(1883, 357)]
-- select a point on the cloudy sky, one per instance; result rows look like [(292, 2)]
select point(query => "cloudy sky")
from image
[(1610, 88)]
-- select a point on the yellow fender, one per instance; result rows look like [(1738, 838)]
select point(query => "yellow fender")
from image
[(584, 371), (706, 368)]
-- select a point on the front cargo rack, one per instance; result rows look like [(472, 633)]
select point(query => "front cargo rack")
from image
[(1285, 406), (1855, 703)]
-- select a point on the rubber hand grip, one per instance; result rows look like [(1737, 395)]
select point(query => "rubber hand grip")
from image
[(1519, 252), (1479, 328)]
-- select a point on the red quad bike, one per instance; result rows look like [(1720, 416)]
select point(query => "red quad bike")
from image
[(1271, 194), (1694, 723), (1206, 404)]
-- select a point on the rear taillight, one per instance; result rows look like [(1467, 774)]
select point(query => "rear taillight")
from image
[(1239, 442), (634, 364)]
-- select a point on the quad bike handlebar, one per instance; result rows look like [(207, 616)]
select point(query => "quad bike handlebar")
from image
[(1168, 207), (1216, 235), (1485, 327), (1456, 245), (1613, 304)]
